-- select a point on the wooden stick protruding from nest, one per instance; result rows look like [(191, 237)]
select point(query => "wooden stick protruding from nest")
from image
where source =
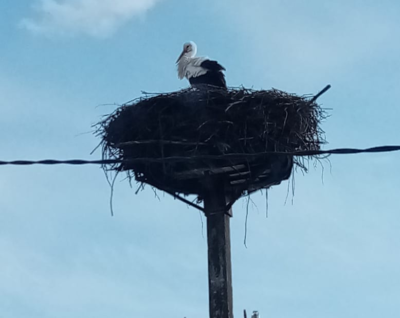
[(326, 88)]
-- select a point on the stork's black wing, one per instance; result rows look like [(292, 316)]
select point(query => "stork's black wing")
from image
[(212, 66), (214, 75)]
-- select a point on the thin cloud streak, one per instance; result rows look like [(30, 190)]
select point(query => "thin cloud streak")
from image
[(96, 18)]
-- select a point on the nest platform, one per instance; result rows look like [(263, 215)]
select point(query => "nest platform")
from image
[(178, 142)]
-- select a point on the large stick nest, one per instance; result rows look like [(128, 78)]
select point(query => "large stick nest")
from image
[(175, 140)]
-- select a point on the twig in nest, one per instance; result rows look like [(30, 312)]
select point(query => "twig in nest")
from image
[(112, 193), (245, 223)]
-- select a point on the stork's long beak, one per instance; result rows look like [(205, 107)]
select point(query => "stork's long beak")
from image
[(180, 56)]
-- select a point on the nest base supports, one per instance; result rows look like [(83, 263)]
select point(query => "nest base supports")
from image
[(219, 252)]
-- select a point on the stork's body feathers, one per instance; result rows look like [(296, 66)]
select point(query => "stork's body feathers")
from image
[(199, 70), (213, 76)]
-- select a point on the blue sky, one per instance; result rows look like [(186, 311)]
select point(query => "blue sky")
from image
[(332, 252)]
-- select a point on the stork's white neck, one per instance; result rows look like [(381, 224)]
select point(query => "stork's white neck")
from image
[(182, 65)]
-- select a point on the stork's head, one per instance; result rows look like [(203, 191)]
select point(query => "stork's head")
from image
[(189, 50)]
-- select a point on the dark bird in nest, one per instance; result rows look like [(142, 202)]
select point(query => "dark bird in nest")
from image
[(199, 70)]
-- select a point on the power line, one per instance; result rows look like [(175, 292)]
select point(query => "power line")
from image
[(337, 151)]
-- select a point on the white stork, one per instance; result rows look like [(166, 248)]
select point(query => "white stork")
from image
[(199, 70)]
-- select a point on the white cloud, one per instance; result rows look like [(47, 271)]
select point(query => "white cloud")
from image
[(98, 18)]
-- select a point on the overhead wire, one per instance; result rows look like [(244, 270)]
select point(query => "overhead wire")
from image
[(305, 153)]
